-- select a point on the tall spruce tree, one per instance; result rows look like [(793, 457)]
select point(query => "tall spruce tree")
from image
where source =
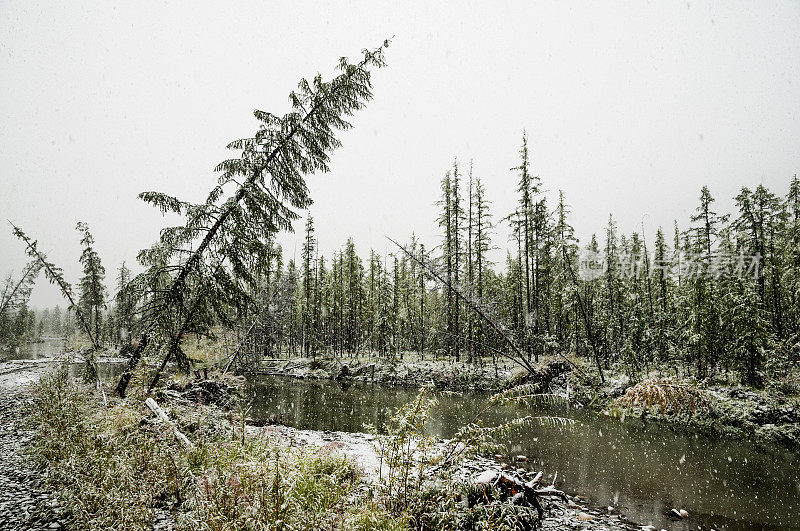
[(92, 296), (448, 260), (456, 227), (309, 287)]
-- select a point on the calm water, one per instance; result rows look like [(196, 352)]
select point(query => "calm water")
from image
[(32, 351), (51, 347), (643, 469)]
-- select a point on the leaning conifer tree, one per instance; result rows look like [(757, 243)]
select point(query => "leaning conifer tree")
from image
[(15, 292), (55, 275), (195, 274)]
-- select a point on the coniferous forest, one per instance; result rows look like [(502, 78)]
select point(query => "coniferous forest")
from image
[(503, 375), (717, 292)]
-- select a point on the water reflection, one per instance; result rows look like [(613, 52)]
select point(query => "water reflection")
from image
[(44, 348), (107, 370), (49, 348), (643, 469)]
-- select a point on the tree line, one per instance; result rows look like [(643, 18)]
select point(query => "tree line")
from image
[(108, 320), (678, 301), (718, 293)]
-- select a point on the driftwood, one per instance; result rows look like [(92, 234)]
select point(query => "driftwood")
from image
[(537, 478), (522, 492), (158, 412)]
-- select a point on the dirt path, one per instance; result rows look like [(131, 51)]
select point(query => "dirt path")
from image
[(23, 505)]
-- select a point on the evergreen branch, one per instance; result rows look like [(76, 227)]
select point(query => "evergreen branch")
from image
[(256, 175)]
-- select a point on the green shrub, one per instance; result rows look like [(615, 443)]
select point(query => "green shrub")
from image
[(263, 483), (107, 470)]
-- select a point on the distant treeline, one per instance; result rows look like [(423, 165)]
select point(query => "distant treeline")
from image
[(27, 324), (109, 320), (719, 292), (716, 292)]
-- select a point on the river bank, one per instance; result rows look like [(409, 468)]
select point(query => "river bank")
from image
[(73, 479), (638, 468), (643, 469), (195, 402), (561, 512), (412, 371), (769, 416), (722, 407), (25, 503)]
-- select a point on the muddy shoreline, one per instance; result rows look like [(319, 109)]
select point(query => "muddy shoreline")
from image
[(411, 373), (572, 512)]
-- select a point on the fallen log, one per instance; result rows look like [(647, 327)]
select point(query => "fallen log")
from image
[(161, 414), (551, 491)]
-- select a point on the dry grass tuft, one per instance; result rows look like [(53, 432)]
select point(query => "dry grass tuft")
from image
[(667, 396)]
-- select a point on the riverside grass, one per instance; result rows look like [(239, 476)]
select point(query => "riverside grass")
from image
[(112, 468), (106, 467)]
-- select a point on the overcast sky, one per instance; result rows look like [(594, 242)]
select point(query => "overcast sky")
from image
[(630, 108)]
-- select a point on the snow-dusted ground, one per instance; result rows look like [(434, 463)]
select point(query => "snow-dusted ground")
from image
[(573, 513), (23, 504), (21, 499)]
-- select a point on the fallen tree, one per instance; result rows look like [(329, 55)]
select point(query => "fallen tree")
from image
[(517, 355), (54, 274)]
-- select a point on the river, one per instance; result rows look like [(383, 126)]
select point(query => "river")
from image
[(643, 469)]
